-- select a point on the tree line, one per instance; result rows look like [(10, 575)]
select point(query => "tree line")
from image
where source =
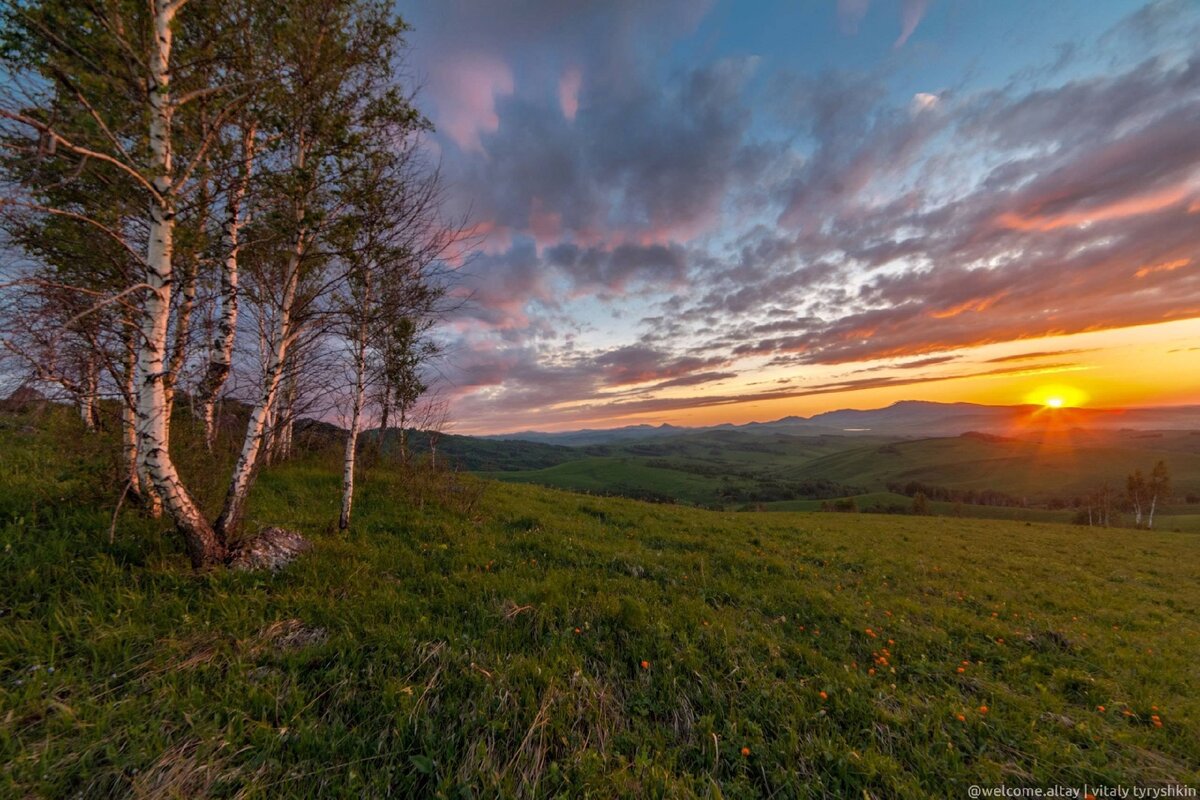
[(205, 199)]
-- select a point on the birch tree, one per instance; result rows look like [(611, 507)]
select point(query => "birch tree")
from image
[(1158, 487), (111, 65), (148, 93), (335, 95)]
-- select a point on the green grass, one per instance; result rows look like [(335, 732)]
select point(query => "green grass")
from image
[(736, 470), (626, 476), (450, 663)]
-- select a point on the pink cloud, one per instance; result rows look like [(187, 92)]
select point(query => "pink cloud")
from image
[(568, 92), (910, 17), (545, 224), (466, 88)]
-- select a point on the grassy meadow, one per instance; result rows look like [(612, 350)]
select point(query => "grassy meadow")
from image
[(482, 639)]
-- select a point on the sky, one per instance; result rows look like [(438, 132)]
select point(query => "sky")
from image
[(698, 212)]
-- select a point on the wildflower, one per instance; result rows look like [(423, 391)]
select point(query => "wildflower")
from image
[(823, 695), (962, 669), (983, 709), (961, 717), (645, 665), (578, 631), (871, 671), (1100, 709), (745, 752)]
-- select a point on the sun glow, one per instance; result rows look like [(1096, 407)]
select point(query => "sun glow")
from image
[(1057, 396)]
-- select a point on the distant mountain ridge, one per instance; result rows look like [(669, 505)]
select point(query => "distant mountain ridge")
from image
[(917, 418)]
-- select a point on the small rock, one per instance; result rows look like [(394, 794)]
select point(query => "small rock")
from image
[(272, 548)]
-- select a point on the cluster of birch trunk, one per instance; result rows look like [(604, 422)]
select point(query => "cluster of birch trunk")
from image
[(194, 192)]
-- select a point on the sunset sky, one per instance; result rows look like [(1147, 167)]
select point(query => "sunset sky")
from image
[(699, 212)]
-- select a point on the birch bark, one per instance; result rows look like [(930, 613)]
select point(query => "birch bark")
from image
[(220, 359), (280, 340), (154, 459)]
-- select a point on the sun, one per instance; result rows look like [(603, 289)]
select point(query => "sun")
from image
[(1056, 396)]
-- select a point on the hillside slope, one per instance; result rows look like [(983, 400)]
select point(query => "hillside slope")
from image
[(525, 641), (1032, 468)]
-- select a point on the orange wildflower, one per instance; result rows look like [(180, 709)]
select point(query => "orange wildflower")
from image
[(645, 665), (983, 709), (823, 695), (745, 752), (961, 717), (1100, 709)]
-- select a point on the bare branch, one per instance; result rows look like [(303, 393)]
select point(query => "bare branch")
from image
[(60, 212), (46, 130)]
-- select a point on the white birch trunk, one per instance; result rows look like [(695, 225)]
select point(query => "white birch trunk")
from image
[(1150, 517), (360, 369), (279, 432), (129, 441), (154, 458), (220, 360), (403, 409), (89, 402), (256, 430), (183, 331)]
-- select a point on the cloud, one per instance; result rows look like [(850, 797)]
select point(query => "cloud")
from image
[(568, 92), (851, 13), (911, 13), (742, 215), (467, 90), (1033, 355)]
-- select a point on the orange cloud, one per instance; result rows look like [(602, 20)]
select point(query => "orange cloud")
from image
[(977, 304), (1166, 266), (1129, 207)]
